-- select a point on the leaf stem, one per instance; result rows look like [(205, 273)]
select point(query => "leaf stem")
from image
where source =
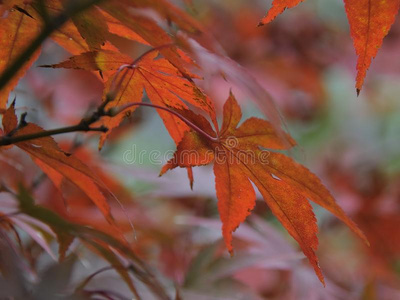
[(187, 122)]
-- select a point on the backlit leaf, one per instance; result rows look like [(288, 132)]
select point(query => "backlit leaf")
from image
[(285, 185)]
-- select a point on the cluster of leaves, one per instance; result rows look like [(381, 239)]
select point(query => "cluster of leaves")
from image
[(167, 75)]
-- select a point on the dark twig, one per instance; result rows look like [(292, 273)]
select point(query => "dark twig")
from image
[(9, 140), (82, 126)]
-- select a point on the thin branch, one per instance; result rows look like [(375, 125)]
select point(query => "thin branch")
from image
[(84, 124), (9, 140), (90, 277)]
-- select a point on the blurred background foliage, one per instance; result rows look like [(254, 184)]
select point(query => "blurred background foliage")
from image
[(305, 60)]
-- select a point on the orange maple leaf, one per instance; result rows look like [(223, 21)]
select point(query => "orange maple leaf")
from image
[(238, 158), (369, 20), (164, 85)]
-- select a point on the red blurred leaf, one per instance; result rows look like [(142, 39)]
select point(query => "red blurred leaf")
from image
[(57, 164), (278, 6), (370, 22)]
